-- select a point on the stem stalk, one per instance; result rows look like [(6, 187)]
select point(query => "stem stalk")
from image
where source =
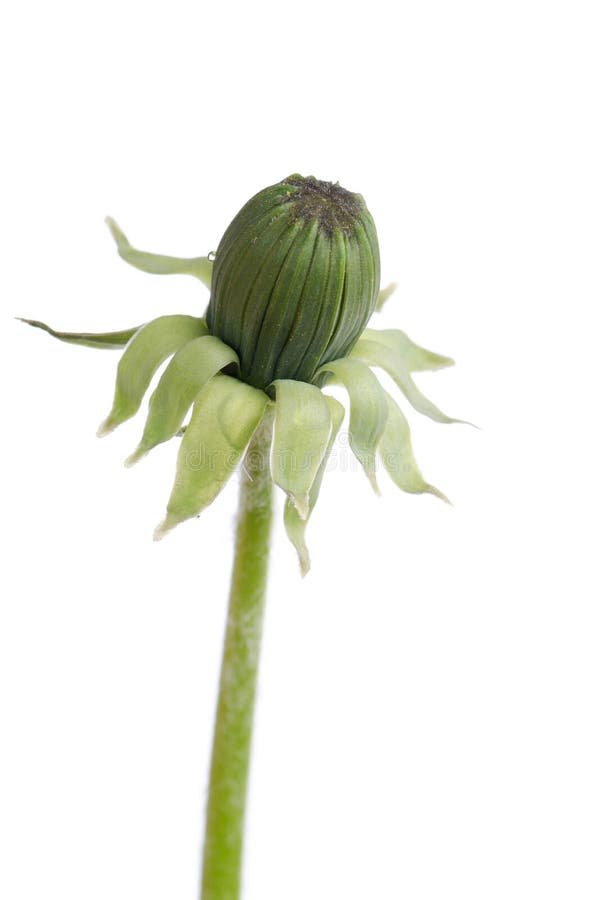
[(230, 757)]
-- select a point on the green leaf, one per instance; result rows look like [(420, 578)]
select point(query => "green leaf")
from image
[(384, 294), (397, 456), (300, 438), (149, 347), (225, 415), (199, 266), (294, 524), (110, 340), (368, 410), (378, 353), (187, 372)]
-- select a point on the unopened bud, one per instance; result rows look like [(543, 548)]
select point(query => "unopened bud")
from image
[(295, 279)]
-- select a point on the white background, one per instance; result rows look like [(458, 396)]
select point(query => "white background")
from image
[(426, 714)]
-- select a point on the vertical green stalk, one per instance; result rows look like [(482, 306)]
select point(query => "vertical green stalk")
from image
[(230, 756)]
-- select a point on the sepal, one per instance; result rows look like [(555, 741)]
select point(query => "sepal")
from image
[(109, 340), (147, 350), (225, 415), (399, 357), (368, 411), (188, 371), (295, 525), (300, 437), (199, 266), (395, 449)]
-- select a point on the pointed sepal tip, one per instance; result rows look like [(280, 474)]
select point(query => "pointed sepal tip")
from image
[(372, 478), (106, 427), (135, 457), (431, 489), (164, 528)]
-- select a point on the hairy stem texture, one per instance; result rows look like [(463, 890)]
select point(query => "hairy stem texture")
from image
[(230, 759)]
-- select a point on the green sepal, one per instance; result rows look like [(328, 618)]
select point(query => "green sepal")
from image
[(187, 372), (395, 449), (398, 361), (300, 438), (110, 340), (368, 410), (414, 357), (295, 525), (148, 348), (225, 415), (384, 295), (199, 266)]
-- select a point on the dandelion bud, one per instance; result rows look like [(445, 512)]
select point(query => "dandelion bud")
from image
[(295, 279)]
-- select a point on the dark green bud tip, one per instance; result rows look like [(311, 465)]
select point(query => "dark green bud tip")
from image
[(295, 279)]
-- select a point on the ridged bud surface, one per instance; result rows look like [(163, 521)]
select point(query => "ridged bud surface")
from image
[(295, 279)]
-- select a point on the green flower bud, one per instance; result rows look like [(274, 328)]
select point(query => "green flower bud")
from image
[(295, 279)]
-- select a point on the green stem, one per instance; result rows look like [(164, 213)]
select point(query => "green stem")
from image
[(230, 756)]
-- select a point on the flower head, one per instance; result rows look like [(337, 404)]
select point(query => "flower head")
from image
[(295, 279), (293, 283)]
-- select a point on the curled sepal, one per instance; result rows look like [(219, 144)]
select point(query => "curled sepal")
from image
[(225, 415), (384, 295), (300, 438), (148, 348), (294, 524), (199, 266), (395, 449), (389, 355), (368, 410), (414, 357), (110, 340), (187, 372)]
